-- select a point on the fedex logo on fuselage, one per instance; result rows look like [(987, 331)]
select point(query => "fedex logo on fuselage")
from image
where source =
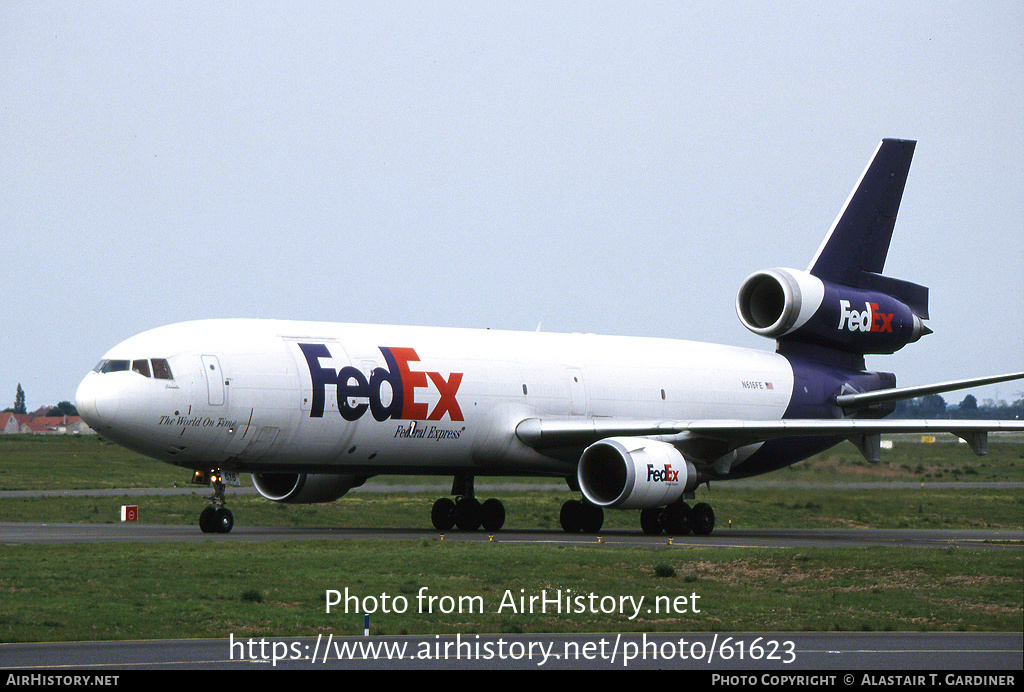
[(666, 475), (356, 393), (870, 320)]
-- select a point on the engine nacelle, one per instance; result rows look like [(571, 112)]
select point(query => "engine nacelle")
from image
[(634, 473), (304, 488), (797, 306)]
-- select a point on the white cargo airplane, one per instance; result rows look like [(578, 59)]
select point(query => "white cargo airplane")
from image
[(314, 409)]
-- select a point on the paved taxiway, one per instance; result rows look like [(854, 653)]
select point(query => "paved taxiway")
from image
[(783, 653), (15, 532), (29, 532)]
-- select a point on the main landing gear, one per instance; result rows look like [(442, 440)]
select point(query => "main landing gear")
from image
[(466, 512), (216, 518), (581, 516), (678, 519)]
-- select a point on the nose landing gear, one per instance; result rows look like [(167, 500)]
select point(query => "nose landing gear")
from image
[(216, 518)]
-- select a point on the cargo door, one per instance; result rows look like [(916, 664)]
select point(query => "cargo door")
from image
[(577, 392), (214, 380)]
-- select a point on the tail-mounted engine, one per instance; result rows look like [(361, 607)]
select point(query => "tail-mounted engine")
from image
[(634, 473), (788, 304)]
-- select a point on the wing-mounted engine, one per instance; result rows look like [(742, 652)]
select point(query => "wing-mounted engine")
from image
[(793, 305), (634, 473), (304, 488)]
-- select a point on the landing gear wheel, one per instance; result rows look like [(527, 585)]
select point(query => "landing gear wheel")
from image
[(467, 514), (593, 518), (223, 520), (580, 516), (442, 514), (492, 515), (570, 516), (703, 519), (678, 519), (651, 520), (216, 520), (206, 520)]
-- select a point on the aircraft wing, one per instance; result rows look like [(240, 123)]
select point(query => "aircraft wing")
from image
[(712, 440), (719, 437)]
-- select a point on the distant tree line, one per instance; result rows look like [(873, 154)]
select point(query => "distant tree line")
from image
[(64, 408), (934, 406)]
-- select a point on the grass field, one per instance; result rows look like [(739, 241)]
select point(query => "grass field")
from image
[(142, 591), (47, 462)]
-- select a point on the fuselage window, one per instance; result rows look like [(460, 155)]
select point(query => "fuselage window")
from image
[(161, 370), (141, 367)]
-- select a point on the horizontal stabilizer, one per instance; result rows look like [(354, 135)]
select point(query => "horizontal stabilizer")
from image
[(910, 294), (850, 401)]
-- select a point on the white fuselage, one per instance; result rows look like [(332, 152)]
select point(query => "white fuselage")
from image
[(243, 394)]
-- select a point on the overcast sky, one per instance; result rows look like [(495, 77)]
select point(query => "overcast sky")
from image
[(609, 167)]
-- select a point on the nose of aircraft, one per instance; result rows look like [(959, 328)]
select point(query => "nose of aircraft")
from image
[(97, 400)]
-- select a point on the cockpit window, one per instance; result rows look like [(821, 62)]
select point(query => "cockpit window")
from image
[(111, 366), (161, 370)]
